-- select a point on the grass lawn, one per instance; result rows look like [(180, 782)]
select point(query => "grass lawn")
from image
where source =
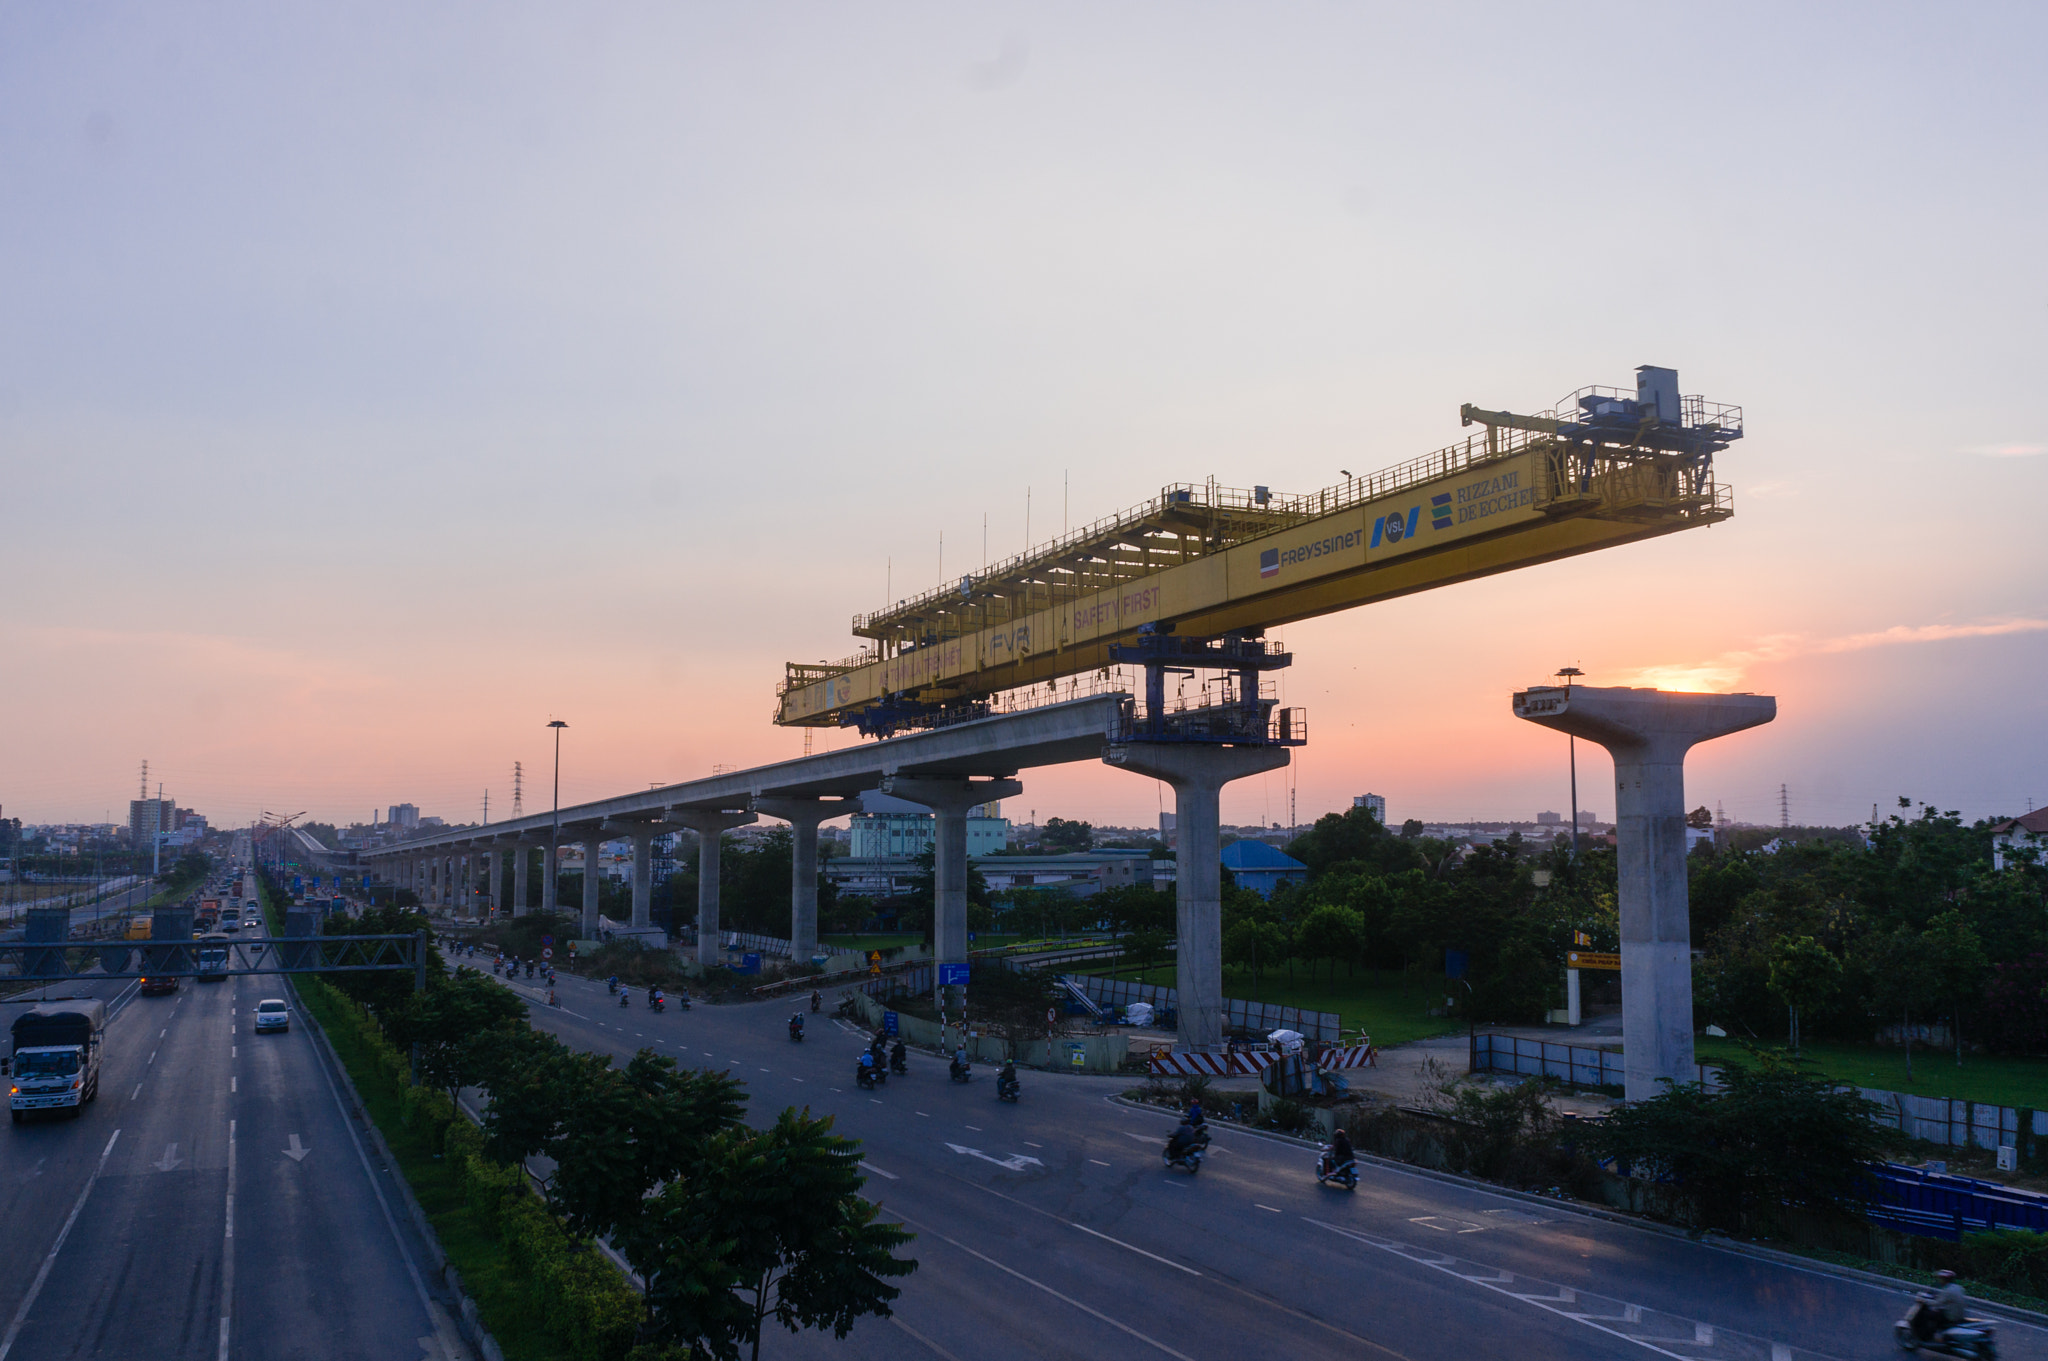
[(1391, 1007), (1998, 1081), (511, 1313)]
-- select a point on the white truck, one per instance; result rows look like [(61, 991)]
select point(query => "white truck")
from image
[(56, 1059)]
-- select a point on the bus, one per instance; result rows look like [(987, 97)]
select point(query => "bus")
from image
[(213, 958)]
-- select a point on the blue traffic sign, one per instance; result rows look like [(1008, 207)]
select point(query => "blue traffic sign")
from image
[(547, 940), (1455, 962), (952, 975), (888, 1023)]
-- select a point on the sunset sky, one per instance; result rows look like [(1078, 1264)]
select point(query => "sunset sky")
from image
[(380, 382)]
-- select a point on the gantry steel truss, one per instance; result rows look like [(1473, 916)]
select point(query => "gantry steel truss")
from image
[(49, 961)]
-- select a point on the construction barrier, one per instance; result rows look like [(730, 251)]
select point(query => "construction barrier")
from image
[(1351, 1056), (1251, 1064)]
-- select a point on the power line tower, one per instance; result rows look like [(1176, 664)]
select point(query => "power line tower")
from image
[(1784, 809), (145, 781), (518, 789), (487, 808)]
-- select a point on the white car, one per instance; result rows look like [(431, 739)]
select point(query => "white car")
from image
[(272, 1014)]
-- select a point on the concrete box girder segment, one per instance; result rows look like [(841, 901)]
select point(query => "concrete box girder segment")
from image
[(1648, 733), (1001, 745), (1197, 773), (803, 817), (949, 801), (710, 825)]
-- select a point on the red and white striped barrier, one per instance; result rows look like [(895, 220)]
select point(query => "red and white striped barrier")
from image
[(1353, 1056), (1210, 1065)]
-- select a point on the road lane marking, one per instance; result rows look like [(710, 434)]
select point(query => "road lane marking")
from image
[(937, 1350), (169, 1160), (297, 1152), (227, 1252), (1015, 1162), (234, 1083), (234, 1051), (975, 1128), (876, 1099), (920, 1113), (1098, 1162), (43, 1274), (1029, 1144), (1117, 1324), (152, 1057), (138, 1092), (1131, 1247), (165, 1031), (1257, 1206), (867, 1166)]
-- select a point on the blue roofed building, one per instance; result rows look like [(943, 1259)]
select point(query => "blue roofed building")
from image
[(1262, 868)]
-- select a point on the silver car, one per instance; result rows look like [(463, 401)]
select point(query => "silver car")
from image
[(272, 1014)]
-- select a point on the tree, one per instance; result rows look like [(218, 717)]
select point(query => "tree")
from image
[(1331, 933), (1803, 974), (1956, 961), (626, 1131), (768, 1224), (1249, 943), (1059, 836), (1775, 1135), (446, 1024), (1900, 977)]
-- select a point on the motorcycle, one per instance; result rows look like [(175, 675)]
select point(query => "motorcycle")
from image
[(796, 1032), (1191, 1159), (960, 1072), (1007, 1089), (612, 986), (866, 1077), (1919, 1330), (1327, 1171), (682, 1001), (897, 1063), (625, 999), (657, 1003), (816, 1001)]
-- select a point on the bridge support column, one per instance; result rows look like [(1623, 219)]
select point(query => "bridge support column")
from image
[(803, 817), (494, 871), (1197, 774), (550, 875), (593, 843), (522, 853), (710, 825), (949, 801), (1648, 733)]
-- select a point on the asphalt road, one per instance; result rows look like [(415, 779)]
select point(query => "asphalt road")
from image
[(1050, 1228), (214, 1202)]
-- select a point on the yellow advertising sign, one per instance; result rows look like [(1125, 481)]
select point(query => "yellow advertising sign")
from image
[(1591, 959)]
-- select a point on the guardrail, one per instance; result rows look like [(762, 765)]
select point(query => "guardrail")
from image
[(1937, 1205)]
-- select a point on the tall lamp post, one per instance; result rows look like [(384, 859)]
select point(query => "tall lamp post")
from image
[(1565, 673), (555, 833)]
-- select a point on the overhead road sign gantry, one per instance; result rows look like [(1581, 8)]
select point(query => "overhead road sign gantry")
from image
[(1604, 467)]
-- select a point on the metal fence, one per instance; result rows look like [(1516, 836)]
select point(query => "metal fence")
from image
[(775, 945), (1238, 1014), (1580, 1065), (1937, 1205)]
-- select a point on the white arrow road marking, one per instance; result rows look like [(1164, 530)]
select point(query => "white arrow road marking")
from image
[(1015, 1162), (169, 1160), (867, 1166), (297, 1152)]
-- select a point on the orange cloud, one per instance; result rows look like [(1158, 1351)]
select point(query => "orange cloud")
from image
[(1727, 670)]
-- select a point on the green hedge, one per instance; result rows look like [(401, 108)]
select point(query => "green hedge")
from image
[(586, 1306)]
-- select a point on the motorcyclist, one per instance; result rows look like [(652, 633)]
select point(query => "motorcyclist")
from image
[(1339, 1155), (655, 997), (1006, 1080), (1195, 1117), (864, 1069), (1184, 1141), (817, 999), (897, 1062), (612, 984), (1947, 1307), (960, 1060), (796, 1025), (625, 997)]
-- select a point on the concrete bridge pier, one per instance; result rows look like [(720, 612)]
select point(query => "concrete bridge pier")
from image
[(710, 825), (1197, 773), (949, 801), (522, 853), (642, 834), (1648, 733), (593, 839), (550, 876), (803, 817), (494, 873)]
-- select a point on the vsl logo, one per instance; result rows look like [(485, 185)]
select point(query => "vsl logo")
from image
[(1440, 510), (1269, 563), (1394, 528)]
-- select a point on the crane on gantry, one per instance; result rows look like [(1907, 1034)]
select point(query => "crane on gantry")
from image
[(1194, 576)]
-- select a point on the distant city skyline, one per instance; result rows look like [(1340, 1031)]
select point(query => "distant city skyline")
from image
[(379, 383)]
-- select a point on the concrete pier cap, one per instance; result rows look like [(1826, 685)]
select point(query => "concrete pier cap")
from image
[(1648, 733)]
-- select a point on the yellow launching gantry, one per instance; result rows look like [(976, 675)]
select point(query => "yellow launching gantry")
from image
[(1203, 562)]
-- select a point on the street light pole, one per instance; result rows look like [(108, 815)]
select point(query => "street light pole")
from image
[(555, 833)]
